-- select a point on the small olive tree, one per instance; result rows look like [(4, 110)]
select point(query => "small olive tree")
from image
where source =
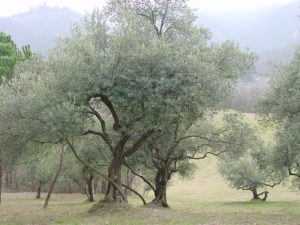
[(251, 168)]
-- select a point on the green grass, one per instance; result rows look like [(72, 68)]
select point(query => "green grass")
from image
[(205, 199)]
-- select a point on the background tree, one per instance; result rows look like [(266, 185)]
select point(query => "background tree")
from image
[(282, 105), (40, 166), (9, 56), (251, 168)]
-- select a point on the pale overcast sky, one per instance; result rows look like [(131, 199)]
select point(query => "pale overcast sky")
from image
[(11, 7)]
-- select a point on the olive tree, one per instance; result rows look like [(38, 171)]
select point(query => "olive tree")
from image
[(174, 152), (251, 168), (282, 106), (122, 76)]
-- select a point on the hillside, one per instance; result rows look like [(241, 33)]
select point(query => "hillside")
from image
[(39, 27), (260, 30), (257, 30)]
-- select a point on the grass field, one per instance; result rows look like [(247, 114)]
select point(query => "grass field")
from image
[(205, 199)]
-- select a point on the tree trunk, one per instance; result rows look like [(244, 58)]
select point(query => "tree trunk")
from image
[(1, 173), (54, 180), (114, 173), (9, 181), (69, 188), (255, 194), (96, 189), (266, 196), (38, 193), (6, 181), (16, 182), (90, 188), (33, 184), (80, 185), (161, 181), (103, 186), (129, 182)]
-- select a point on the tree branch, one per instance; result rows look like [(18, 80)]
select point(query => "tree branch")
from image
[(205, 155), (135, 192), (140, 176), (111, 108), (273, 185), (163, 18), (139, 143), (95, 170), (293, 174), (124, 138), (205, 138), (99, 117), (103, 136)]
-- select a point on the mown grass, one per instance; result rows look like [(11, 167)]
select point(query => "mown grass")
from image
[(205, 199)]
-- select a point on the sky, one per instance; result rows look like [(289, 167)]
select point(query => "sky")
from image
[(11, 7)]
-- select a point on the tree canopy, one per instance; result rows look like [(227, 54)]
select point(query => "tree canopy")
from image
[(8, 55), (283, 106), (125, 74), (251, 168)]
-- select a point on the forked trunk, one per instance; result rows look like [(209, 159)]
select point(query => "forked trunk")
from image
[(256, 196), (161, 181), (114, 173), (161, 196)]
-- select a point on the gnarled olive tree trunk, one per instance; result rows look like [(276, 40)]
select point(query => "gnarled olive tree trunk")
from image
[(161, 181), (256, 196), (114, 173)]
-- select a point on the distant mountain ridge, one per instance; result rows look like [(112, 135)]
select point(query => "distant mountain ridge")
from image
[(39, 27), (260, 30)]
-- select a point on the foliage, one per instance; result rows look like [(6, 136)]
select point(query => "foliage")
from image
[(251, 167), (10, 55), (175, 150), (282, 105), (125, 74)]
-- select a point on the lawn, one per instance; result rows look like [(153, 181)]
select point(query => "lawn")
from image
[(204, 199)]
